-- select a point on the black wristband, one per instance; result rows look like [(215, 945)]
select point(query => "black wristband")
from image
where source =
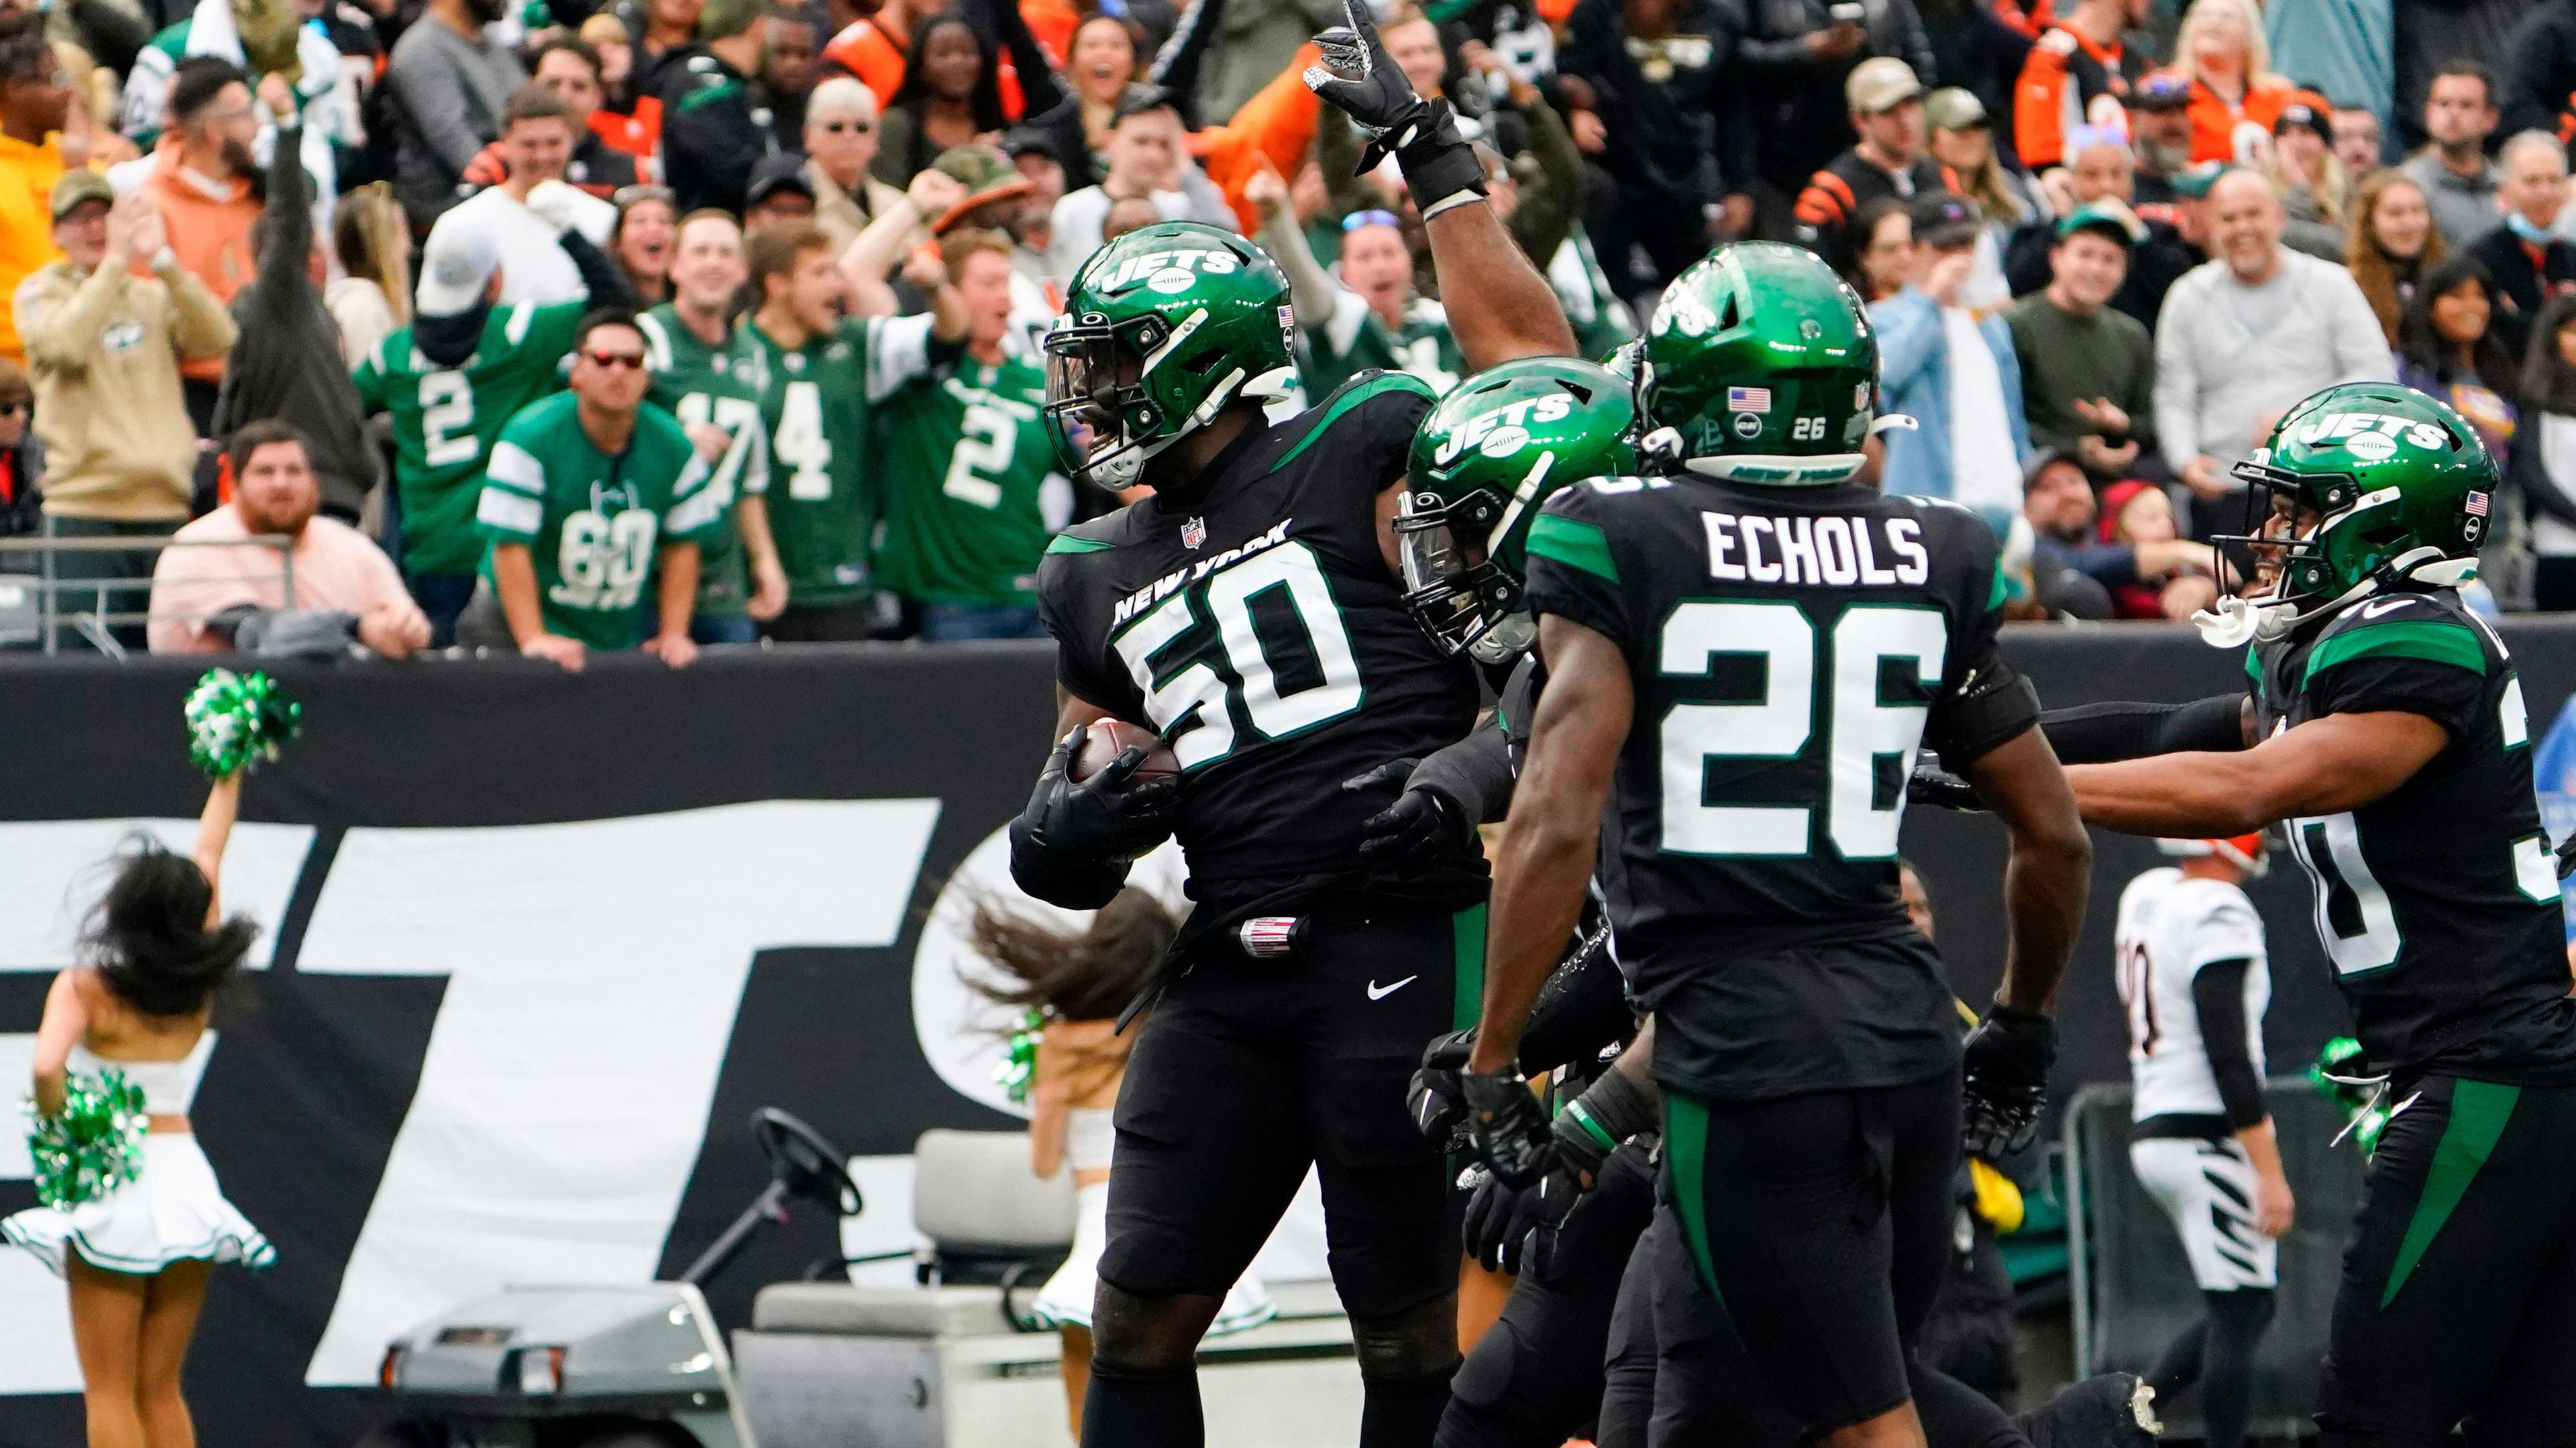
[(1440, 167)]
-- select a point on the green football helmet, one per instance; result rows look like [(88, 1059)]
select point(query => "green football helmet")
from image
[(2362, 488), (1162, 328), (1763, 362), (1484, 461)]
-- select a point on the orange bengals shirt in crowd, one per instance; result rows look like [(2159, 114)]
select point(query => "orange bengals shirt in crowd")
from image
[(209, 226), (2214, 122), (1273, 131), (27, 177), (638, 135)]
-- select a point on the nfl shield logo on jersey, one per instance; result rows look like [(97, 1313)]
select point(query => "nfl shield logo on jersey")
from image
[(1194, 532)]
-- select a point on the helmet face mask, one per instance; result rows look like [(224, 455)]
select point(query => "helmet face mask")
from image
[(1484, 462), (1163, 329)]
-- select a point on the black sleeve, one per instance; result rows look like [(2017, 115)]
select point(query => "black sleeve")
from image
[(1475, 772), (606, 282), (1581, 1009), (1983, 701), (2104, 733), (287, 247), (1176, 65), (2218, 998)]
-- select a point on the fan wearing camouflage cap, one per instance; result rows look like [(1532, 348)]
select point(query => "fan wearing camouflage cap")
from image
[(1249, 613)]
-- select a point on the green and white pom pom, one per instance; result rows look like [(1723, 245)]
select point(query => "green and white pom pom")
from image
[(1019, 1070), (94, 1146), (236, 721)]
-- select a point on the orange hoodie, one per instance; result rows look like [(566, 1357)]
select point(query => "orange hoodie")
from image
[(209, 229), (2214, 122)]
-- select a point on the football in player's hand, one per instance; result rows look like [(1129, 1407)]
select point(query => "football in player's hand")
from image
[(1109, 738)]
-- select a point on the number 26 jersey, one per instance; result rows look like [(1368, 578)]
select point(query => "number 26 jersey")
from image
[(1788, 648), (1256, 625)]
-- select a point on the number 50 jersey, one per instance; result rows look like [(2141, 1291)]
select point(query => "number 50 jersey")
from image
[(1788, 648), (1255, 623)]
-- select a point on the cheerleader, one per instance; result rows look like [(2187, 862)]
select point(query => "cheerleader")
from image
[(1077, 984), (132, 1217)]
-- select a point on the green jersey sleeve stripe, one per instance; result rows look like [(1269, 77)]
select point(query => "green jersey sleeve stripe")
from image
[(1353, 397), (898, 351), (501, 511), (2440, 643), (1067, 543), (694, 513), (1574, 543), (514, 466)]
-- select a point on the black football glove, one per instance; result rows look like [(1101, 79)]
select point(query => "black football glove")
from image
[(1423, 830), (1939, 788), (2006, 1080), (1112, 817), (1513, 1230), (1359, 79), (1434, 1096), (1508, 1125), (2567, 855)]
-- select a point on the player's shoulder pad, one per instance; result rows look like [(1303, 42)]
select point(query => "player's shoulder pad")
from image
[(1093, 535), (2217, 900), (2433, 627), (1382, 406), (1574, 525)]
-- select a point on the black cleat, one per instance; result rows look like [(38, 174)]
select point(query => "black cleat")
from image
[(2110, 1410)]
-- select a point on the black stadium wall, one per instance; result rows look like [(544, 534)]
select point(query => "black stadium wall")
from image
[(495, 843)]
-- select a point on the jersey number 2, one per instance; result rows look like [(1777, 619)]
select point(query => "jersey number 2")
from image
[(1288, 571), (447, 420), (1860, 728), (982, 454)]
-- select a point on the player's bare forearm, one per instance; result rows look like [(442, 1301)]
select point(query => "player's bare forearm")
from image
[(1499, 306), (214, 832), (679, 596), (2050, 870), (1554, 834), (947, 315), (514, 578), (2325, 766), (1637, 1062)]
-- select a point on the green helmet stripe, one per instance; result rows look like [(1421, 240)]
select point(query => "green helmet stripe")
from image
[(1574, 543), (2440, 643)]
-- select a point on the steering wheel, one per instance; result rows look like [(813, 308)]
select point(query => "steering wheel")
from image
[(803, 1162)]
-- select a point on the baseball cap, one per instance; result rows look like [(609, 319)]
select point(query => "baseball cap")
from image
[(2308, 109), (77, 186), (985, 172), (2108, 218), (2163, 91), (782, 171), (1881, 84), (456, 265), (1953, 109), (2194, 182), (1943, 219), (1029, 141), (2042, 460)]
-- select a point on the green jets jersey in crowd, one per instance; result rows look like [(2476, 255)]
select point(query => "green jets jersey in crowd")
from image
[(594, 524), (1355, 339), (968, 473), (446, 418), (700, 384), (816, 402)]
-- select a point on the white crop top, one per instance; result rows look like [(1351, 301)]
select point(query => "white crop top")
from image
[(167, 1086)]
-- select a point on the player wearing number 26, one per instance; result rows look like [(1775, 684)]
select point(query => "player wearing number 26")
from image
[(1742, 660), (971, 484), (2384, 731), (594, 502)]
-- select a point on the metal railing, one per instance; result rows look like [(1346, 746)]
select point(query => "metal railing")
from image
[(38, 607)]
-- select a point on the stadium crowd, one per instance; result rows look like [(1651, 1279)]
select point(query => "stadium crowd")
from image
[(679, 322)]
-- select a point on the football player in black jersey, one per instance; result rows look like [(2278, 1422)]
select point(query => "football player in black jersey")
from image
[(1784, 641), (1485, 462), (2384, 730), (1250, 613)]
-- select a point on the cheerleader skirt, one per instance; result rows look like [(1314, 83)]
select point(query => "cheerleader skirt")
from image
[(1065, 1301), (171, 1212)]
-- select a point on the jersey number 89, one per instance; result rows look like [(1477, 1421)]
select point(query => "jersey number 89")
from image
[(1700, 740), (1287, 572)]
